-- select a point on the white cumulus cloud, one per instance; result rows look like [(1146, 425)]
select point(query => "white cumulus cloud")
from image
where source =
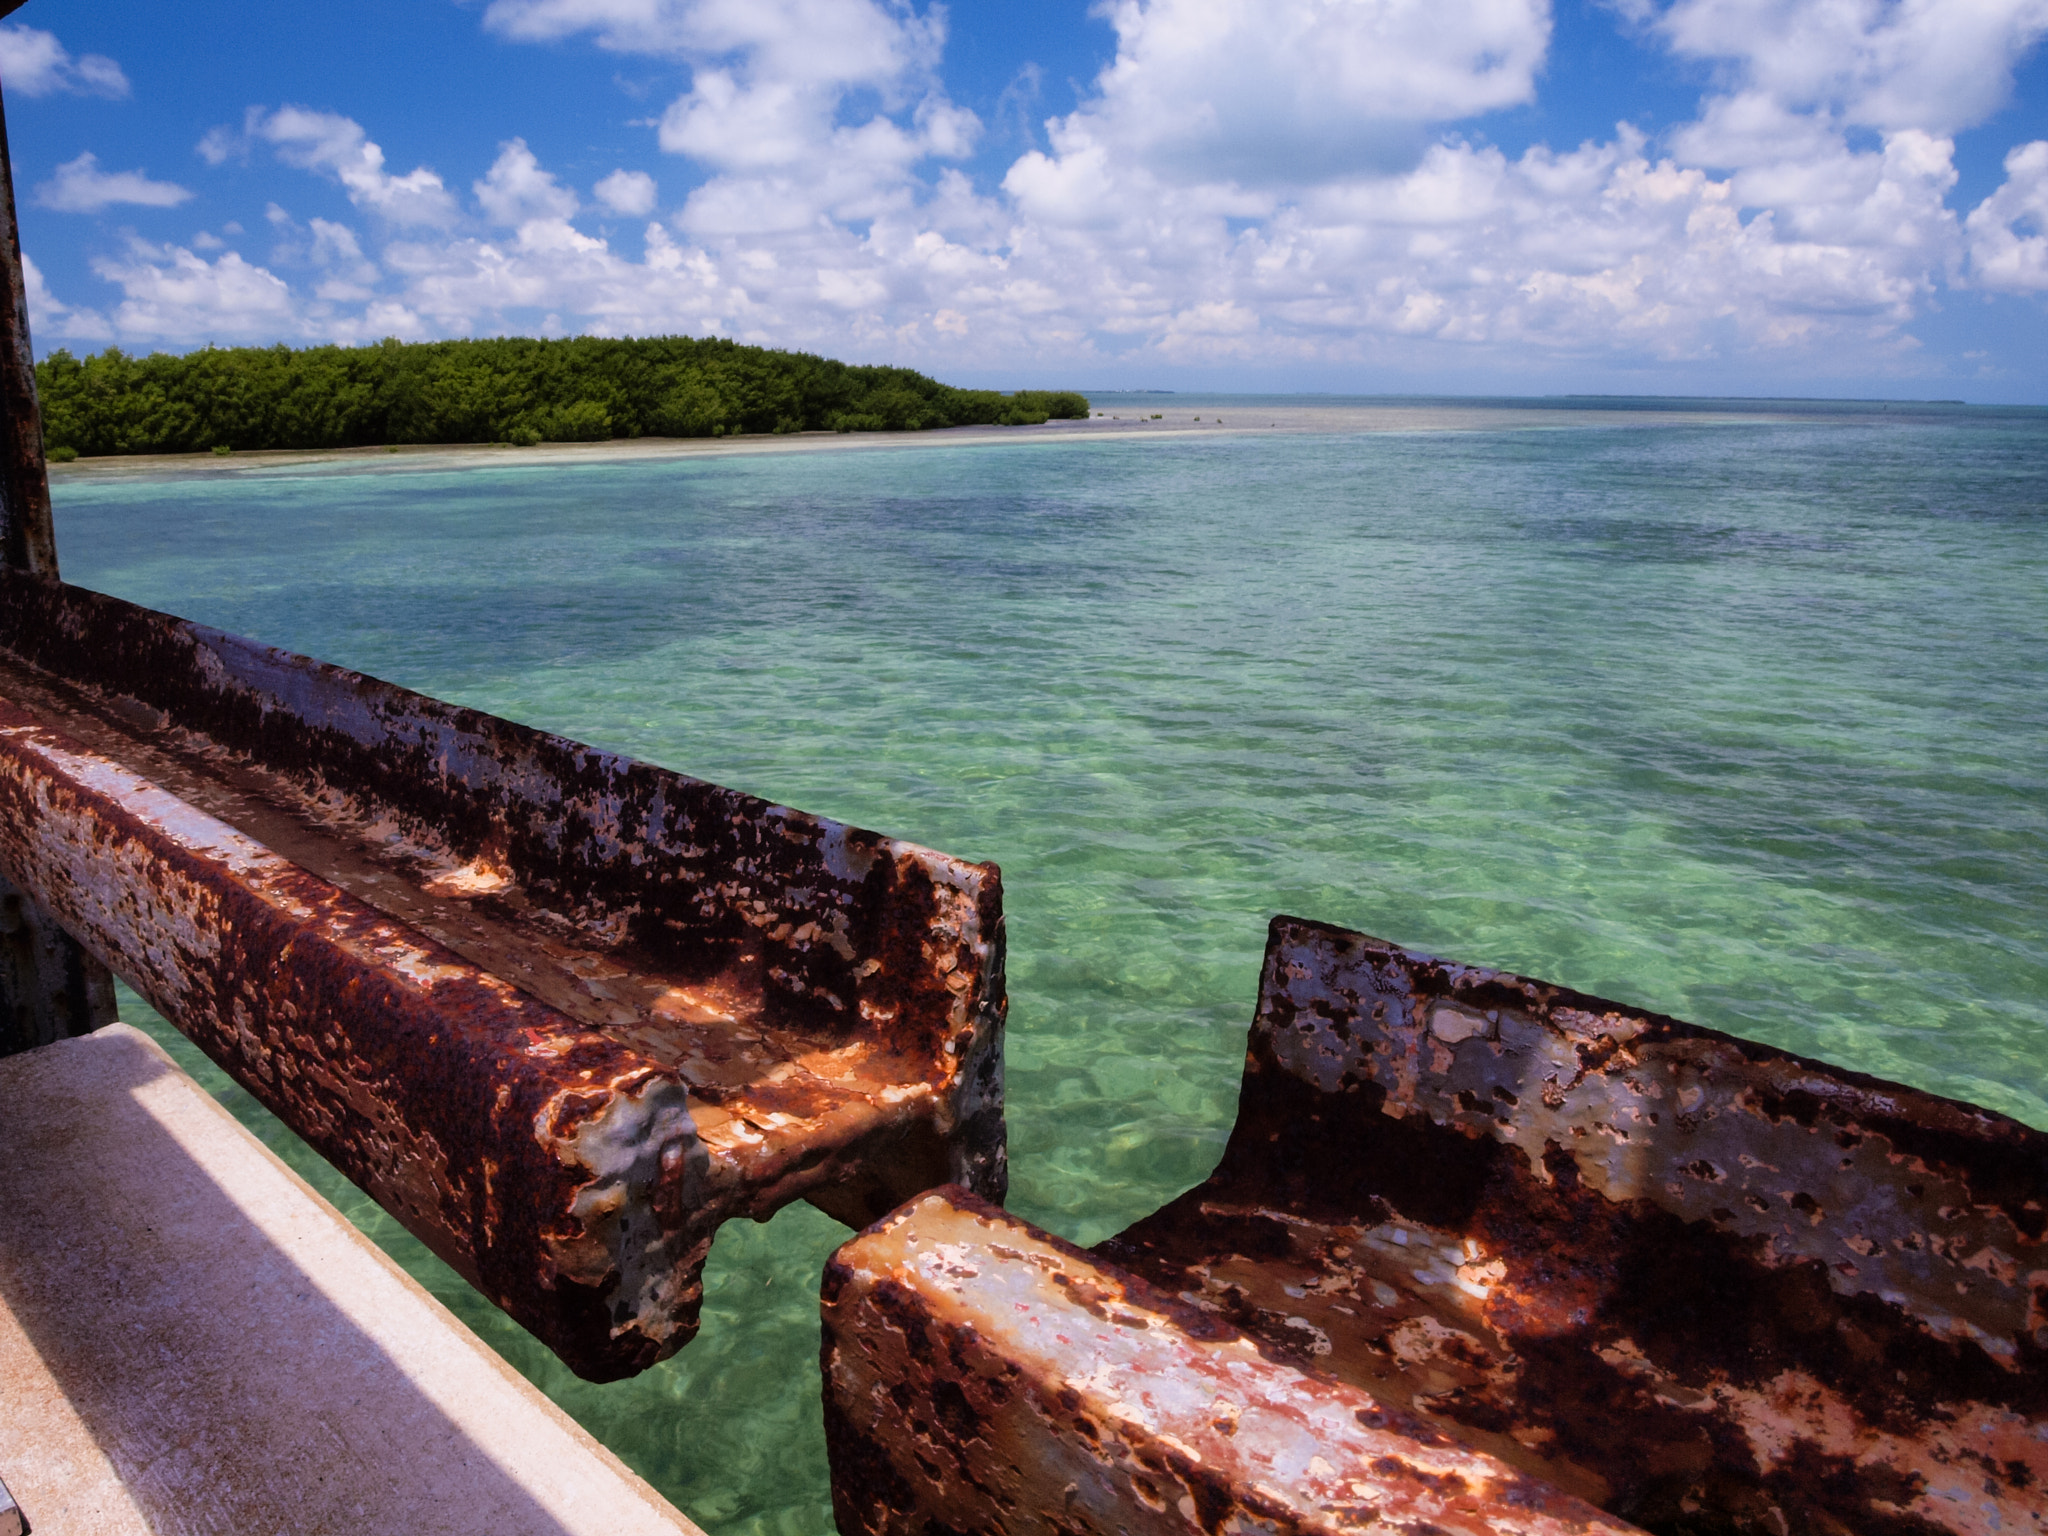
[(1280, 94), (517, 191), (631, 193), (34, 63), (1933, 65), (765, 109), (51, 318), (337, 145), (1297, 183), (1198, 214), (171, 293), (80, 186), (2008, 231), (822, 42)]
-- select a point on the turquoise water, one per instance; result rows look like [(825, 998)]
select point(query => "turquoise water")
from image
[(1742, 719)]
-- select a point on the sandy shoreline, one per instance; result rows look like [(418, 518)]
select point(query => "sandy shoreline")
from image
[(414, 457), (1181, 420)]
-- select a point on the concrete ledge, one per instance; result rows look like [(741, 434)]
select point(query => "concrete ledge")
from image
[(192, 1340)]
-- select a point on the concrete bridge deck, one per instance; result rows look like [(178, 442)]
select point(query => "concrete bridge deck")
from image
[(191, 1340)]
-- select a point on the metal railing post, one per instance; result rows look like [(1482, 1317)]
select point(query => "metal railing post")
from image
[(49, 986), (28, 541)]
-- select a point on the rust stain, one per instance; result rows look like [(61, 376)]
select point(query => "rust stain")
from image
[(1700, 1283), (1705, 1283), (562, 1012), (984, 1376), (28, 539)]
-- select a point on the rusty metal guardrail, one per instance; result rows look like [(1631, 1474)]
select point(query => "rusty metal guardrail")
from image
[(560, 1012), (1700, 1283)]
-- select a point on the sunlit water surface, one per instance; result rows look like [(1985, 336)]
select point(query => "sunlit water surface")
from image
[(1744, 719)]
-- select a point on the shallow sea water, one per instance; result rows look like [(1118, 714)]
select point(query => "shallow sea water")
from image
[(1739, 714)]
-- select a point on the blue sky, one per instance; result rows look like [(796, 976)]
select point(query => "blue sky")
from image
[(1689, 196)]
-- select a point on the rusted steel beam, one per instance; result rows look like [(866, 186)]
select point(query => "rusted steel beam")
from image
[(982, 1375), (559, 1011), (50, 988), (1694, 1278), (533, 1155), (1701, 1283), (27, 539)]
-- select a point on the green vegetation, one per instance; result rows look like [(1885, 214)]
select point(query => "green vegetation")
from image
[(500, 391)]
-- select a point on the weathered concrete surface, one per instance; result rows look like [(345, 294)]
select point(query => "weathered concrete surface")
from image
[(981, 1375), (191, 1340), (50, 988), (562, 1013), (1705, 1285)]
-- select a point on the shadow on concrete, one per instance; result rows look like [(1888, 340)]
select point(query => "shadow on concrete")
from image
[(226, 1387)]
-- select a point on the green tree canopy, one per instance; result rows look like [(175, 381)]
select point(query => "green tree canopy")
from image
[(511, 389)]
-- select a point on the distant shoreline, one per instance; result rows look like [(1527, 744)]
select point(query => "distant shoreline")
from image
[(1194, 417), (416, 456)]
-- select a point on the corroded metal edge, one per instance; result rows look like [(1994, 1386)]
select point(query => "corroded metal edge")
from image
[(49, 987), (1703, 1279), (981, 1375), (680, 870), (857, 933), (888, 949), (1803, 1161), (555, 1170), (28, 539)]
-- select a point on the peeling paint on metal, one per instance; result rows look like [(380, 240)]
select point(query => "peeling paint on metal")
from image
[(28, 541), (984, 1376), (1701, 1284)]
